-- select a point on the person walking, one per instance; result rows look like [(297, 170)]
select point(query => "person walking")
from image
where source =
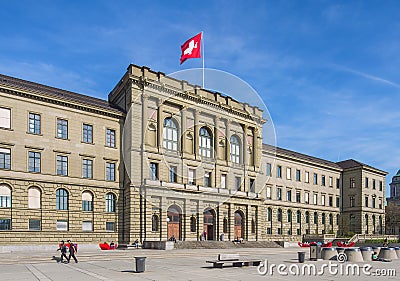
[(63, 248), (72, 251)]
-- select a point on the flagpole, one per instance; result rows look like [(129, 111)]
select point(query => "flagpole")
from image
[(202, 40)]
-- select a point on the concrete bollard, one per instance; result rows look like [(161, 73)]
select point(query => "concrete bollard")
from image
[(376, 249), (397, 249), (354, 255), (340, 250), (388, 254), (329, 254), (367, 253)]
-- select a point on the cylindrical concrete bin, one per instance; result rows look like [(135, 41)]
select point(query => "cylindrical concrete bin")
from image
[(367, 253), (301, 256), (329, 254), (140, 264), (354, 255), (397, 249), (376, 249), (388, 254), (340, 250)]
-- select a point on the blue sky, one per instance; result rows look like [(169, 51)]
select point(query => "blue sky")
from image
[(328, 71)]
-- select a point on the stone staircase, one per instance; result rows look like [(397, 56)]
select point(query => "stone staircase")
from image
[(224, 244)]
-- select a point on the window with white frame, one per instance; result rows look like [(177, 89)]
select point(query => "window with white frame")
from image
[(191, 177), (307, 177), (62, 128), (34, 159), (34, 123), (87, 226), (110, 203), (5, 158), (62, 165), (268, 192), (288, 173), (223, 181), (5, 118), (110, 171), (87, 201), (315, 201), (34, 198), (87, 133), (235, 149), (205, 143), (87, 168), (110, 138), (62, 225), (170, 134), (5, 196), (307, 198), (61, 199)]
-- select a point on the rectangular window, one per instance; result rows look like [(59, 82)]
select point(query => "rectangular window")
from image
[(110, 171), (330, 201), (373, 202), (315, 178), (337, 202), (366, 201), (380, 203), (373, 184), (173, 177), (337, 183), (279, 193), (298, 177), (381, 185), (279, 171), (87, 205), (298, 197), (34, 123), (288, 173), (352, 201), (62, 165), (352, 182), (34, 224), (62, 225), (315, 201), (34, 162), (87, 168), (207, 179), (87, 133), (269, 170), (323, 200), (5, 118), (323, 180), (110, 138), (110, 226), (5, 201), (238, 183), (223, 181), (269, 230), (5, 158), (279, 231), (153, 171), (268, 195), (330, 181), (366, 182), (87, 226), (191, 177), (62, 129), (307, 177), (289, 195), (252, 185), (5, 224), (307, 198)]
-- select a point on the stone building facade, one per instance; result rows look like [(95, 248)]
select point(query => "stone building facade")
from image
[(163, 158)]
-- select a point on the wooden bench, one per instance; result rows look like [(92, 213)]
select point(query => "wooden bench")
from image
[(233, 259)]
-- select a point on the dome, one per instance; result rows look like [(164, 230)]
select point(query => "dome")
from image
[(398, 173)]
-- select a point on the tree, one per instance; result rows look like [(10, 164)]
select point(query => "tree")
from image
[(392, 219)]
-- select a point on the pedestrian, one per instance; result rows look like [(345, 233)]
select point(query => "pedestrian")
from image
[(63, 248), (72, 251)]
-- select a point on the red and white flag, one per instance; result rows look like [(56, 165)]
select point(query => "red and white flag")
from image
[(191, 48)]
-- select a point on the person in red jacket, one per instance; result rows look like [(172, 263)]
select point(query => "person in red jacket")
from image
[(72, 251)]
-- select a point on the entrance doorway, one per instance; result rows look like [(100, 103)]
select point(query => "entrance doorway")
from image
[(174, 222), (238, 230), (209, 224)]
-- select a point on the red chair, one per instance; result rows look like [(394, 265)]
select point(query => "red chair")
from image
[(104, 246), (327, 245)]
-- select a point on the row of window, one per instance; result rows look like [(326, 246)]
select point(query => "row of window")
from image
[(35, 127), (279, 215), (298, 176), (61, 225), (62, 199), (367, 183), (352, 199), (35, 160), (297, 197), (173, 177), (170, 141)]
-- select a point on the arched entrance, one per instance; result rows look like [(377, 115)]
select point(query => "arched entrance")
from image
[(238, 230), (174, 222), (209, 224)]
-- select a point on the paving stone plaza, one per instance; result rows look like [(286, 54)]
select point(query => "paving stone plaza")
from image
[(170, 265)]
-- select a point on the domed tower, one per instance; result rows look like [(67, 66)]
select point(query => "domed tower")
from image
[(395, 190)]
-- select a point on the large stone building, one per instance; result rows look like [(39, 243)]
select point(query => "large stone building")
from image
[(393, 207), (164, 158)]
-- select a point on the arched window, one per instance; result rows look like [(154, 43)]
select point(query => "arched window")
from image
[(5, 196), (61, 199), (155, 223), (337, 219), (298, 217), (170, 134), (315, 217), (87, 201), (34, 195), (235, 149), (269, 214), (253, 226), (323, 218), (205, 142), (289, 216), (193, 225), (110, 203), (225, 225), (279, 215), (330, 219)]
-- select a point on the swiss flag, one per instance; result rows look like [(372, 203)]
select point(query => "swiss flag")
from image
[(191, 48)]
